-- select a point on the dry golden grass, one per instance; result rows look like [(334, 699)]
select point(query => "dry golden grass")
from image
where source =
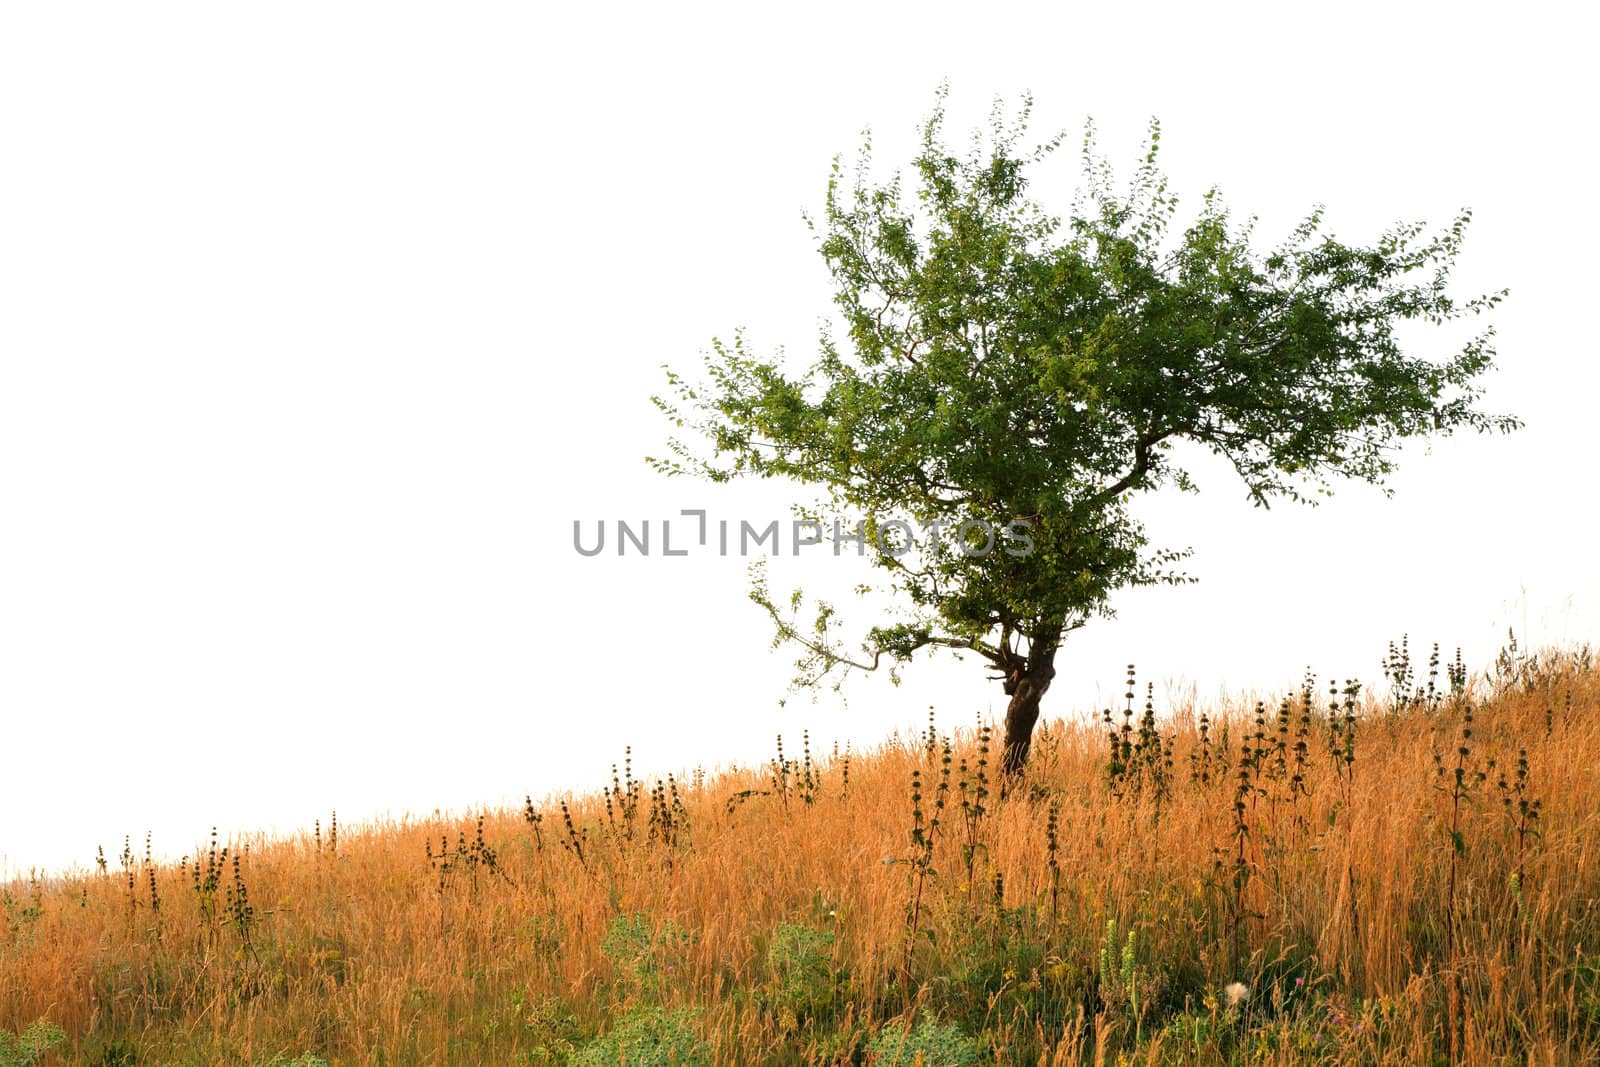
[(1330, 900)]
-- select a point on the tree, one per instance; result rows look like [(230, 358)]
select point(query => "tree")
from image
[(1005, 368)]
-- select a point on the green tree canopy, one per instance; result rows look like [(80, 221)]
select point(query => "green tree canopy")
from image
[(1005, 366)]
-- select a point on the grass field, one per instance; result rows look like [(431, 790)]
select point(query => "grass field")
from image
[(1406, 873)]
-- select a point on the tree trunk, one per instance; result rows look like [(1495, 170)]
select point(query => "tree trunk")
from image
[(1026, 686)]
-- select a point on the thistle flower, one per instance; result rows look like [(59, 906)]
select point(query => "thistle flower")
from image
[(1235, 994)]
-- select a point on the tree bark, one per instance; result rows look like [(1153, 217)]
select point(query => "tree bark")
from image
[(1026, 684)]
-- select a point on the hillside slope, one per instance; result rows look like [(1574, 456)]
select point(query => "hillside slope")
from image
[(1404, 878)]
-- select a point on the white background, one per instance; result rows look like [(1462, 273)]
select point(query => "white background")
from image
[(321, 323)]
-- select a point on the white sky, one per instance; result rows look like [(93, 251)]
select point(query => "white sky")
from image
[(319, 325)]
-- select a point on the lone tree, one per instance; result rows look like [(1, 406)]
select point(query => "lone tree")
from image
[(1004, 366)]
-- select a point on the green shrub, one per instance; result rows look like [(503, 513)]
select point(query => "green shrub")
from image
[(643, 956), (550, 1026), (936, 1045), (28, 1048), (804, 982), (647, 1037)]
